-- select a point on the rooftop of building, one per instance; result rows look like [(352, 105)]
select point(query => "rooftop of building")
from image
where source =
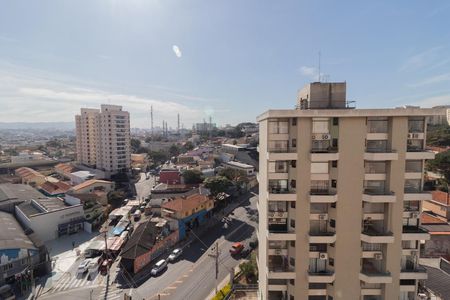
[(12, 235), (53, 188), (42, 205), (239, 165), (429, 219), (67, 168), (438, 280), (10, 191), (88, 183), (26, 172), (142, 240), (374, 112), (83, 174), (186, 203)]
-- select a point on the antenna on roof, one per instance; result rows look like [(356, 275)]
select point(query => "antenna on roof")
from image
[(318, 79)]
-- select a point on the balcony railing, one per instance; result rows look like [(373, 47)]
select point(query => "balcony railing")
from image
[(380, 150), (325, 150), (321, 233), (374, 272), (280, 268), (321, 192), (415, 149), (375, 192), (282, 150), (417, 269), (375, 232), (413, 229), (280, 190), (320, 272)]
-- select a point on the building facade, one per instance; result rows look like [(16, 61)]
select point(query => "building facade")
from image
[(103, 138), (340, 195)]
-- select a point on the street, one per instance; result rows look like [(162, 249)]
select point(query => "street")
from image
[(191, 277)]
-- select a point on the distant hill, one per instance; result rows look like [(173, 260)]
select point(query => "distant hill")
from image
[(38, 125)]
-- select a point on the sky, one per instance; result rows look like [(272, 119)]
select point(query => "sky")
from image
[(229, 60)]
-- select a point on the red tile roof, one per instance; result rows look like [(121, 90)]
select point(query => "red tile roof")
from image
[(186, 204), (441, 197), (88, 183), (55, 187), (65, 168), (26, 172), (429, 219)]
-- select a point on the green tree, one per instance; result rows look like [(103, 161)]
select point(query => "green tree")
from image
[(115, 198), (174, 150), (238, 177), (158, 157), (188, 146), (135, 144), (249, 269), (438, 135), (193, 176), (441, 164), (217, 184)]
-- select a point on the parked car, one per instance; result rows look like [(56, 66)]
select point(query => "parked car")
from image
[(158, 267), (83, 266), (137, 215), (175, 255), (236, 248)]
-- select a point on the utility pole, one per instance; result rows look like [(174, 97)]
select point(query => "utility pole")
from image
[(178, 128), (216, 258)]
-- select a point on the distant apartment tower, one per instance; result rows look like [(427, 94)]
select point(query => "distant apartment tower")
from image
[(340, 196), (103, 138)]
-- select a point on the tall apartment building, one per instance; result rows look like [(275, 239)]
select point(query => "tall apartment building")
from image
[(103, 138), (340, 195)]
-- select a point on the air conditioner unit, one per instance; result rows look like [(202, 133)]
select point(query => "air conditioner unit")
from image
[(322, 217), (378, 256), (323, 256), (413, 135), (321, 136)]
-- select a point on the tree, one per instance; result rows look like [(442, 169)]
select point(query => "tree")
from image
[(217, 184), (158, 157), (249, 268), (441, 164), (438, 135), (188, 146), (174, 150), (238, 177), (135, 144), (115, 198), (192, 177)]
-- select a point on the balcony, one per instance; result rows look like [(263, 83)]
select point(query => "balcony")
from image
[(378, 196), (413, 273), (322, 196), (419, 153), (372, 275), (278, 193), (322, 237), (281, 234), (277, 285), (416, 194), (376, 236), (414, 233), (279, 269), (380, 154), (323, 276), (324, 154), (274, 154)]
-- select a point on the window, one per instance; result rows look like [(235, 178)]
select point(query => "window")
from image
[(292, 204), (293, 163), (292, 243), (292, 261), (413, 185), (293, 183), (377, 125), (376, 145), (278, 127), (375, 167), (334, 183), (334, 163), (413, 166), (416, 125), (292, 281), (415, 145), (331, 261), (374, 186), (294, 143), (335, 121), (332, 223), (333, 205), (320, 125), (292, 222), (294, 122), (334, 143)]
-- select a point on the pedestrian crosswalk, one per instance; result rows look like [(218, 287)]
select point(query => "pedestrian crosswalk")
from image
[(69, 282), (110, 293)]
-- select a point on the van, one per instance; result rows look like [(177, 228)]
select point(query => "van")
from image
[(158, 267), (137, 215)]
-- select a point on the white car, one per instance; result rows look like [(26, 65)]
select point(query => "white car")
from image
[(158, 267), (175, 255), (83, 266)]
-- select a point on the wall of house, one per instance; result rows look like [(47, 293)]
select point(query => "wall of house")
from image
[(437, 246)]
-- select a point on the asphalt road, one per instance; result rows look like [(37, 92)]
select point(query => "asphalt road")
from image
[(144, 186)]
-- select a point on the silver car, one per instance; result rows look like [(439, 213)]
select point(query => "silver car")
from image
[(175, 255), (158, 267)]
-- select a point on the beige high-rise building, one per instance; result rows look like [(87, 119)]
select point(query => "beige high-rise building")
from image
[(340, 195), (103, 138)]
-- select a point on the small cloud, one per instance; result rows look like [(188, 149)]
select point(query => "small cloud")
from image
[(432, 80), (311, 72), (176, 50), (421, 60)]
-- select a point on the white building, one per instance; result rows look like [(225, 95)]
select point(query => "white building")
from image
[(103, 139), (248, 169), (50, 218)]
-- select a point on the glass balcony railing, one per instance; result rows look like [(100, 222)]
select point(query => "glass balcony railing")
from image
[(372, 231), (413, 229)]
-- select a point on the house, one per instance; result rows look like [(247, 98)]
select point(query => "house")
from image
[(170, 176), (190, 211), (14, 194), (439, 243), (149, 240), (54, 189), (64, 170), (81, 176), (17, 251), (94, 211), (248, 169), (439, 204), (437, 285), (30, 176), (100, 187), (50, 218)]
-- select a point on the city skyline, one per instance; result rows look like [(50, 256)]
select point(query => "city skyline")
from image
[(215, 59)]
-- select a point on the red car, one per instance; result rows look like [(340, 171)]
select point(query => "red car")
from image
[(236, 248)]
